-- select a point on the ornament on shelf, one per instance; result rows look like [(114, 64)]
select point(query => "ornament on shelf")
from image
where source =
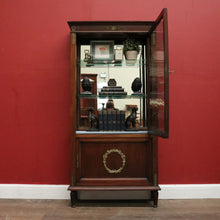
[(136, 86), (130, 122), (93, 121), (110, 104), (112, 82), (88, 58), (86, 85)]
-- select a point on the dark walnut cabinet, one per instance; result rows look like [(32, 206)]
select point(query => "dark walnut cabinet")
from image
[(113, 149)]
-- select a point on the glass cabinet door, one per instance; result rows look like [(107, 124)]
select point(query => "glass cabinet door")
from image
[(98, 60), (158, 77)]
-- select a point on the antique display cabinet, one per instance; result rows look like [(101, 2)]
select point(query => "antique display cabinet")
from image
[(119, 105)]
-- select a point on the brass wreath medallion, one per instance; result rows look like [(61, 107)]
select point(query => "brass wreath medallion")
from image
[(105, 156)]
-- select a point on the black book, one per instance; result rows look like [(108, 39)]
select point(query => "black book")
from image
[(112, 93), (100, 120), (114, 120), (122, 120), (109, 118), (112, 89)]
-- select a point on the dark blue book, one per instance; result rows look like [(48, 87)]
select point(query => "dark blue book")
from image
[(109, 117), (100, 120), (114, 120), (105, 120), (122, 120), (118, 119)]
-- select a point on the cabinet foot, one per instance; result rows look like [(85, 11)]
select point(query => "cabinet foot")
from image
[(154, 198), (73, 196)]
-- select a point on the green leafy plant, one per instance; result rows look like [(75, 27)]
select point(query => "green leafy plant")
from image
[(131, 44)]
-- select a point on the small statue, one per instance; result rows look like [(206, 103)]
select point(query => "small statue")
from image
[(93, 121), (131, 119), (112, 82), (86, 85), (88, 58), (86, 55), (110, 104)]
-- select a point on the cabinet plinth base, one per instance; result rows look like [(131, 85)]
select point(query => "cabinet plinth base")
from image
[(153, 189)]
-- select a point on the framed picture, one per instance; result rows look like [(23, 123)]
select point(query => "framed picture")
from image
[(102, 51)]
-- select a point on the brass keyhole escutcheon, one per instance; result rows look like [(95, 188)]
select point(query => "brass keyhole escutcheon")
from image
[(123, 158)]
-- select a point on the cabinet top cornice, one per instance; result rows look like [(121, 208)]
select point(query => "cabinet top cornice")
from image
[(110, 26)]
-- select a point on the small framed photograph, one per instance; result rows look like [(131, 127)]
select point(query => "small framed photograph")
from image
[(118, 54), (102, 51)]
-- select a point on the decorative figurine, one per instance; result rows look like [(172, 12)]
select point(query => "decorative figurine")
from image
[(93, 121), (86, 85), (88, 58), (131, 119), (136, 86), (112, 82), (86, 55), (110, 104)]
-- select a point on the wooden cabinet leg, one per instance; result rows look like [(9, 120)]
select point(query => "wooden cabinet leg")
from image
[(154, 197), (73, 196)]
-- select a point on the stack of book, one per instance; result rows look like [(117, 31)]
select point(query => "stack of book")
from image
[(112, 90), (111, 120)]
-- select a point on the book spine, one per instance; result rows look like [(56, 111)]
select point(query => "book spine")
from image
[(109, 118), (122, 120), (114, 120), (100, 115), (105, 120), (118, 120)]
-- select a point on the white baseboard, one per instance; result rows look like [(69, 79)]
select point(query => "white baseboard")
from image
[(190, 191), (180, 191), (33, 191)]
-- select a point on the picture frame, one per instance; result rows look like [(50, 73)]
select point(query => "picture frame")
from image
[(118, 54), (102, 51)]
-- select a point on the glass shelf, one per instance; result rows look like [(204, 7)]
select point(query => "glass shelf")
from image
[(113, 64), (135, 96), (111, 132)]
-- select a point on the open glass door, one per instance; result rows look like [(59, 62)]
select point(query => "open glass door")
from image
[(158, 77)]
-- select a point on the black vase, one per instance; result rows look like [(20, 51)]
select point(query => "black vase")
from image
[(86, 85), (136, 86)]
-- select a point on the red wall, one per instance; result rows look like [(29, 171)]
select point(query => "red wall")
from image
[(35, 97)]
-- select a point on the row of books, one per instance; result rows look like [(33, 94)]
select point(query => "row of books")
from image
[(111, 120)]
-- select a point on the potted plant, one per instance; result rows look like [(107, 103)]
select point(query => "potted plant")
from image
[(131, 49)]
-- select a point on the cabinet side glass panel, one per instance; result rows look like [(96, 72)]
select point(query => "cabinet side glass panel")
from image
[(111, 99)]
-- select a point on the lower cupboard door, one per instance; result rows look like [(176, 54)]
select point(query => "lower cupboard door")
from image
[(109, 164)]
